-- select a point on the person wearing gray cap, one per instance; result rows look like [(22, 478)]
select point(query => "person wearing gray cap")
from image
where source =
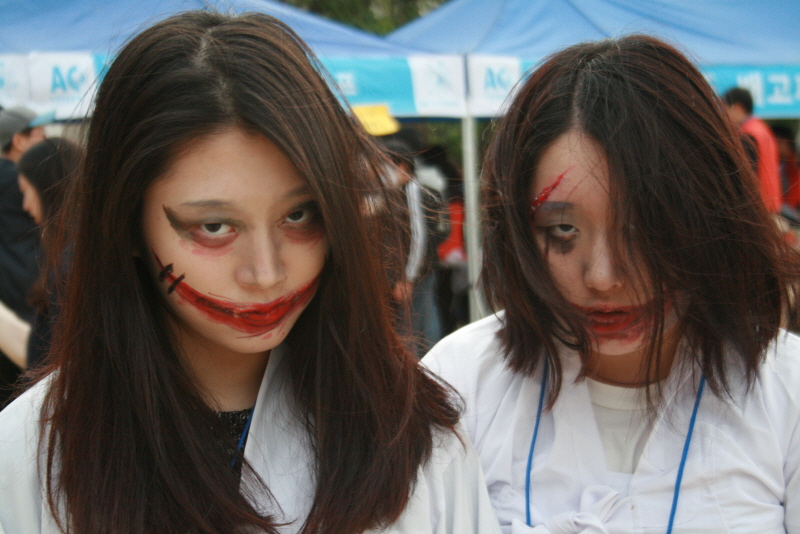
[(20, 128)]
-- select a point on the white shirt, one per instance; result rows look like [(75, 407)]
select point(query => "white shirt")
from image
[(623, 423), (742, 472), (449, 496)]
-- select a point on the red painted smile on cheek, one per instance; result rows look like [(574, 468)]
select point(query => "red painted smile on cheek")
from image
[(252, 318)]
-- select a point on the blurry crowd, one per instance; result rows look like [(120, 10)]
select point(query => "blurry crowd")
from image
[(33, 175)]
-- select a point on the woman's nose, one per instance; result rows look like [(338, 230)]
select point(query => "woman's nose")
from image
[(261, 266), (601, 272)]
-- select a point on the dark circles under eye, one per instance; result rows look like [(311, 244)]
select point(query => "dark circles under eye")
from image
[(560, 245)]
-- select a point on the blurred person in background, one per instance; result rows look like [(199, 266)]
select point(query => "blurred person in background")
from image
[(452, 276), (428, 227), (20, 129), (421, 188), (739, 104), (44, 171), (789, 171)]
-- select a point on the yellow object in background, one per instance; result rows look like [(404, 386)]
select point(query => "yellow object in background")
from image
[(376, 120)]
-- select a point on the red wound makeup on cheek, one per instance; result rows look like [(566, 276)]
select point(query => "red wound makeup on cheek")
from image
[(253, 319), (545, 194)]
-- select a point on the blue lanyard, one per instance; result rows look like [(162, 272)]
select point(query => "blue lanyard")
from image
[(243, 437), (685, 454), (678, 480), (533, 444)]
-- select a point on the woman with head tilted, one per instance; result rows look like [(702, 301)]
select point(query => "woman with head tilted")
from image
[(224, 361), (637, 379)]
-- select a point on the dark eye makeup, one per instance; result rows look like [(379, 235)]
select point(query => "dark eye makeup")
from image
[(213, 234)]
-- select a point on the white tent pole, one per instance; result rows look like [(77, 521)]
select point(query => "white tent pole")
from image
[(472, 230)]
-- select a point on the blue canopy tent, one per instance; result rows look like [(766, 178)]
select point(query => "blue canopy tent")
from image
[(53, 51), (735, 43)]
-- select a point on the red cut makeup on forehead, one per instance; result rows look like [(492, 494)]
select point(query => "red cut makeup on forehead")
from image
[(542, 197), (253, 319)]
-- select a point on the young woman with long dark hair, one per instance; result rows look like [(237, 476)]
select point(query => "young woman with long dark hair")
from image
[(637, 378), (225, 359)]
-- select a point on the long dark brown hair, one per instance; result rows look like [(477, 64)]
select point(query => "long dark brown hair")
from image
[(685, 204), (132, 447)]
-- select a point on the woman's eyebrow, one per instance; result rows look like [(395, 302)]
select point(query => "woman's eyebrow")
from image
[(299, 191), (550, 206), (207, 204)]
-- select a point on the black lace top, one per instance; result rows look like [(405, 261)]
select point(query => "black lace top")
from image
[(235, 422)]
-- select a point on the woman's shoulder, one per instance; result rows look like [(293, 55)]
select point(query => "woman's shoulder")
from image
[(20, 419), (769, 410), (20, 489), (469, 355)]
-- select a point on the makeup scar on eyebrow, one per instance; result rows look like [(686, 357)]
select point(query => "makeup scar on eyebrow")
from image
[(545, 194), (174, 284), (164, 272)]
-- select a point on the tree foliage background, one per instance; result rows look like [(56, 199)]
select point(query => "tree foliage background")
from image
[(376, 16)]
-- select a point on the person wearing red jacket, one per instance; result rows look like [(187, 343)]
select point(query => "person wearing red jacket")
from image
[(739, 103)]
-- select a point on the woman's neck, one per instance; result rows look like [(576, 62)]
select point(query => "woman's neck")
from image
[(230, 380), (232, 383)]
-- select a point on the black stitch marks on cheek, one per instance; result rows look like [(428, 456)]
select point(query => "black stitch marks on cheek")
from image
[(167, 272), (164, 272), (175, 283)]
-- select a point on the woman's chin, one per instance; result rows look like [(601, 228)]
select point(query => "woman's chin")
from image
[(619, 343)]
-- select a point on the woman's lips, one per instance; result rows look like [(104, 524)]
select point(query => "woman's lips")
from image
[(253, 319), (615, 321)]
